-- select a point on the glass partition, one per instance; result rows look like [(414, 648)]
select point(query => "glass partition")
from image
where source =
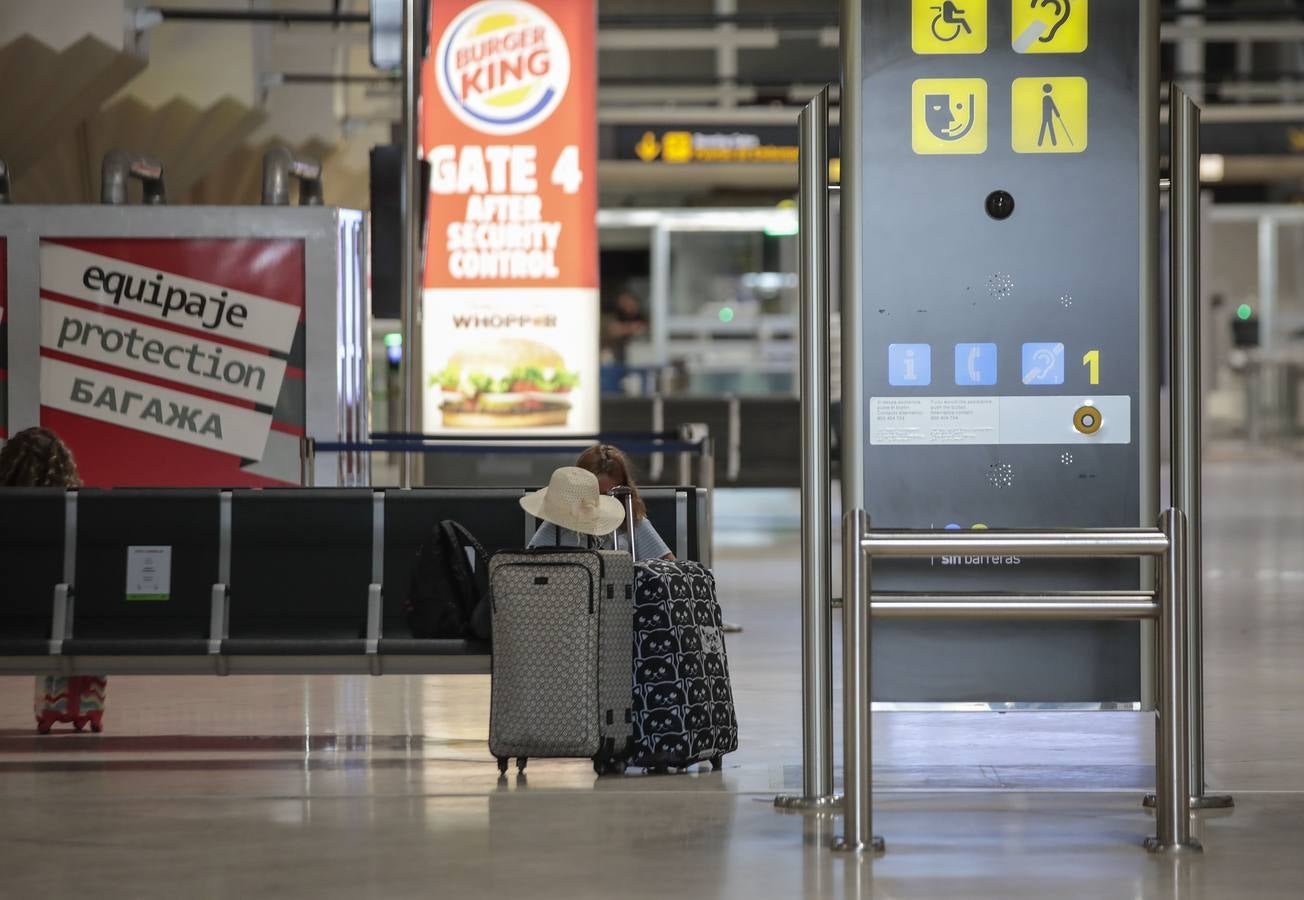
[(722, 301)]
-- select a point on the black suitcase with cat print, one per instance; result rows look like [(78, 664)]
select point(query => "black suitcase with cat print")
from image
[(683, 701), (562, 657)]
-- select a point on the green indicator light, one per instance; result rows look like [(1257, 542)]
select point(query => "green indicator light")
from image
[(727, 314), (394, 339), (1244, 312)]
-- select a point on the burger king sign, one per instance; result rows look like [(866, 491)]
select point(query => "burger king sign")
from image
[(510, 306), (503, 67)]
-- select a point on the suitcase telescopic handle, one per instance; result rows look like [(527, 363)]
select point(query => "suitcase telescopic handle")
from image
[(626, 497)]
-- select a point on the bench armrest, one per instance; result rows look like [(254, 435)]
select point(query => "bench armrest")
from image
[(61, 618), (375, 605), (219, 619)]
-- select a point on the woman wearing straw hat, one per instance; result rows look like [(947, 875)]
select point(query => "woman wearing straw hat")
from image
[(576, 513)]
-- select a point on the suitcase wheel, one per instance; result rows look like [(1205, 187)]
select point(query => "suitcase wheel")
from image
[(520, 763), (502, 765), (659, 770), (44, 724), (717, 763), (79, 724), (609, 766)]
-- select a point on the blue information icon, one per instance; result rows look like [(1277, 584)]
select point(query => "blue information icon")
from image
[(909, 365), (1043, 364), (975, 364)]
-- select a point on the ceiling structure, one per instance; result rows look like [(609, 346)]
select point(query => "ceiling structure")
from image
[(203, 87)]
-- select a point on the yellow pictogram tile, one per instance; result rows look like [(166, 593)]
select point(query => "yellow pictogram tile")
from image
[(1049, 115), (1049, 26), (948, 26), (949, 116), (677, 146)]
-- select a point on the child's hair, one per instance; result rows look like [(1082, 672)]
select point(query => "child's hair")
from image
[(35, 457), (604, 459)]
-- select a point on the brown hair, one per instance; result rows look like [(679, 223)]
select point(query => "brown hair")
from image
[(604, 459), (35, 457)]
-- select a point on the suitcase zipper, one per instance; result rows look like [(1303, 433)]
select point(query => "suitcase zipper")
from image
[(559, 565), (544, 551)]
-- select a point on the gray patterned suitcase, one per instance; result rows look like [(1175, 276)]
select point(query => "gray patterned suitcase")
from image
[(562, 663)]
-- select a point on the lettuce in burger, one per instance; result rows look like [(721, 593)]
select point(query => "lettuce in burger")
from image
[(506, 383)]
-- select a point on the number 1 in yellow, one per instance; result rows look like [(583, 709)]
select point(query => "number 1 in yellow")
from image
[(1092, 362)]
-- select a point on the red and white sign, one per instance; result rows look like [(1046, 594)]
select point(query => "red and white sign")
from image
[(509, 115), (171, 361)]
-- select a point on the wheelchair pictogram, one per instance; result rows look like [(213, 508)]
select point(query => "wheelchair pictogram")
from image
[(949, 23), (948, 26)]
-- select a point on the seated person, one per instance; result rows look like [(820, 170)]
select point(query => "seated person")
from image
[(580, 514)]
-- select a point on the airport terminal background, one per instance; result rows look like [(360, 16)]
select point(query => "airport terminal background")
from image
[(294, 785)]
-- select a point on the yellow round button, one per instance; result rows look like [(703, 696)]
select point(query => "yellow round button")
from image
[(1087, 420)]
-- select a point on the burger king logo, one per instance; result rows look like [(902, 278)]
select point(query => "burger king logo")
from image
[(503, 66)]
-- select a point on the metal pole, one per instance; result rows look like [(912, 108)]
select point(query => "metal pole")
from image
[(706, 481), (310, 459), (1149, 316), (410, 219), (857, 757), (1185, 399), (853, 362), (1172, 750), (816, 558)]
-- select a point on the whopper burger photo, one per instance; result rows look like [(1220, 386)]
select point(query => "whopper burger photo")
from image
[(506, 383)]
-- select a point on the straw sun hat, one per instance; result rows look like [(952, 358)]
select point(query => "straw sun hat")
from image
[(572, 500)]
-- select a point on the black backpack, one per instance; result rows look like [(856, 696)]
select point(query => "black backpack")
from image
[(447, 599)]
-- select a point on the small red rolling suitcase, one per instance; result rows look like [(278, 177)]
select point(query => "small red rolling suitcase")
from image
[(78, 700)]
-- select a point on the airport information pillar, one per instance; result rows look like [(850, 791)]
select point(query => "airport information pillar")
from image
[(1006, 212)]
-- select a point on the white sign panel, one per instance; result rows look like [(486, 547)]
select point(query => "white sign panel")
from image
[(152, 409), (162, 353), (172, 299), (149, 573), (976, 421)]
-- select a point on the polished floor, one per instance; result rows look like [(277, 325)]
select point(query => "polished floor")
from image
[(382, 788)]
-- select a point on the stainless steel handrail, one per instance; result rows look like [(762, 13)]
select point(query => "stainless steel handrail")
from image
[(1077, 605), (1167, 604), (1185, 399), (816, 557), (1105, 542)]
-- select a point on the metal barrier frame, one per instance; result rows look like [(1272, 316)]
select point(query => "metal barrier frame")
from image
[(1167, 604)]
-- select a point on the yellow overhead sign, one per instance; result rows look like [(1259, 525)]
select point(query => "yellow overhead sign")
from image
[(1048, 26), (677, 147), (944, 26), (1048, 115), (949, 116)]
